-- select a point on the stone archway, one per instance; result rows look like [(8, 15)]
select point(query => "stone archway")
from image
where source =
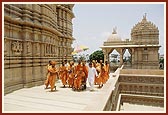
[(127, 58), (120, 50), (114, 57)]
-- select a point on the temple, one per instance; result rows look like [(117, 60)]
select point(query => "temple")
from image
[(33, 35), (143, 46)]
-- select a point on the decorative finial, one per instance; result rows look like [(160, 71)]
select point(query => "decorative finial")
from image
[(144, 16), (114, 30)]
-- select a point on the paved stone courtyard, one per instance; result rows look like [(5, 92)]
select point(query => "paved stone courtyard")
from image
[(62, 100), (38, 99)]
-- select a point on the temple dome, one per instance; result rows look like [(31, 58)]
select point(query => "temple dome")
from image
[(114, 36), (145, 32)]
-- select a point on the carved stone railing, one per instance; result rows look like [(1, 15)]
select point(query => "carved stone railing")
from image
[(145, 82), (135, 88)]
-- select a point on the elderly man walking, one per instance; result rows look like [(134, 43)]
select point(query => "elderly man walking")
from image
[(92, 73)]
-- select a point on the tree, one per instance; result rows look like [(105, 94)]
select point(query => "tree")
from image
[(161, 63), (97, 55), (82, 57), (161, 60)]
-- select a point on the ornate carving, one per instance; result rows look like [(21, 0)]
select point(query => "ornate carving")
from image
[(130, 87), (29, 47), (17, 47), (140, 88), (151, 79), (30, 40), (135, 88), (37, 48), (129, 78), (47, 49), (157, 90), (151, 89), (143, 33), (140, 79)]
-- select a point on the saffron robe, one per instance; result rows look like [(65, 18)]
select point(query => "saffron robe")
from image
[(63, 74), (52, 77), (71, 75)]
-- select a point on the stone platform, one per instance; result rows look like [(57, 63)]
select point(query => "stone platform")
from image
[(38, 99)]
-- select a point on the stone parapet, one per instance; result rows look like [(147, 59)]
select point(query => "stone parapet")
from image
[(141, 88), (155, 101)]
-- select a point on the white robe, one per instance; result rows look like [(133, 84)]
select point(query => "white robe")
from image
[(91, 75)]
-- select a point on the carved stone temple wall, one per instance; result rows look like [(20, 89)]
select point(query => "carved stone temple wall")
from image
[(33, 35)]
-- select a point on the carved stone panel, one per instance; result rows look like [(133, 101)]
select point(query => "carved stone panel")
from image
[(29, 48), (17, 48), (37, 49)]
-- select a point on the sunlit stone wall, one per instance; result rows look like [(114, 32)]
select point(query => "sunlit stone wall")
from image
[(33, 35)]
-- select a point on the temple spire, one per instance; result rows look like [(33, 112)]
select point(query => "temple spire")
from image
[(114, 30), (144, 17)]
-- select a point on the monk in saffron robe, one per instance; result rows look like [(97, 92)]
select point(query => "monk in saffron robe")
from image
[(107, 70), (97, 79), (79, 74), (46, 83), (98, 64), (85, 70), (71, 74), (53, 73), (103, 74), (100, 79), (63, 74)]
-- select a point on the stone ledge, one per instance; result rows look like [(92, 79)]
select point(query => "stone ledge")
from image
[(103, 98)]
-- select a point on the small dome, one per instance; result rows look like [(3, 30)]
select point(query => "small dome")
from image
[(114, 36)]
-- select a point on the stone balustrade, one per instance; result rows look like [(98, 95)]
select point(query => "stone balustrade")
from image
[(146, 87)]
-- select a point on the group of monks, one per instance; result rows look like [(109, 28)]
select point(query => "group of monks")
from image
[(75, 75), (103, 71)]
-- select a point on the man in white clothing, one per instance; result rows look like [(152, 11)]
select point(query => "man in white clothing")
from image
[(92, 73)]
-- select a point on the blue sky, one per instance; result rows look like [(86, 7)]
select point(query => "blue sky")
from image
[(93, 23)]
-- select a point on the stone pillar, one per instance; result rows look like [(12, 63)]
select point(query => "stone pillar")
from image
[(133, 57), (121, 58), (63, 21), (27, 57), (42, 54), (36, 68), (105, 55), (6, 47), (27, 72), (120, 51), (59, 19)]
